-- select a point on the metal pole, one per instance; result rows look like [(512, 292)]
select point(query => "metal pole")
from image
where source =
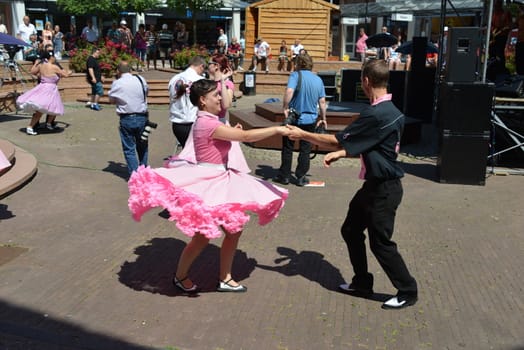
[(488, 38), (366, 18)]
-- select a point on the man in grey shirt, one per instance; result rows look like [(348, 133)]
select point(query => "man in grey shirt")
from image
[(129, 93)]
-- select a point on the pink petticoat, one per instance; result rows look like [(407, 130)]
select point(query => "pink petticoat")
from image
[(202, 199)]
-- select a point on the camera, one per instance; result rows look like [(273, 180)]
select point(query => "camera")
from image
[(147, 130), (292, 117), (12, 50)]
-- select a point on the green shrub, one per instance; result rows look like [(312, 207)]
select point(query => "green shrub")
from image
[(111, 55)]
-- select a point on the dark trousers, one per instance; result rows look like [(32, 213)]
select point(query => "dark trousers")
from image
[(373, 208), (181, 132), (304, 150), (519, 57)]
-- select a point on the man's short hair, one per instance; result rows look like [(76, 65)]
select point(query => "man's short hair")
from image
[(197, 61), (304, 62), (123, 67), (94, 49), (377, 71)]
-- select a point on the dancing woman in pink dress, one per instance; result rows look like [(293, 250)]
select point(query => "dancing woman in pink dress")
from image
[(45, 97), (208, 197)]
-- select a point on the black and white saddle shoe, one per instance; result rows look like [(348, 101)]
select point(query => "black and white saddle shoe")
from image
[(400, 301)]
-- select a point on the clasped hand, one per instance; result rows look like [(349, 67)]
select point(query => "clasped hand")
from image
[(291, 131)]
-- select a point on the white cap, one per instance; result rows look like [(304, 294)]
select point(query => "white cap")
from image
[(123, 22), (446, 28), (164, 26)]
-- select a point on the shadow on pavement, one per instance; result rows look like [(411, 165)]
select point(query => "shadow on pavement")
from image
[(21, 328), (308, 264), (424, 171), (266, 172), (11, 117), (117, 169), (314, 267), (156, 262), (5, 213)]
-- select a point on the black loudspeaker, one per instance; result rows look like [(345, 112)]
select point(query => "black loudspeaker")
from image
[(329, 79), (463, 158), (418, 54), (465, 107), (351, 90), (464, 111), (420, 92), (397, 87), (350, 85), (462, 54)]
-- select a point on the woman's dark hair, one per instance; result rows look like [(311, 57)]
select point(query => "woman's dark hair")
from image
[(201, 88), (46, 54), (222, 61)]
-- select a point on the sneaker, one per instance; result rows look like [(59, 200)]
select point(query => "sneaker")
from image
[(354, 290), (240, 68), (255, 69), (30, 131), (89, 104), (400, 301), (96, 107)]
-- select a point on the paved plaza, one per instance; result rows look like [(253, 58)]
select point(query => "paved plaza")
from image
[(76, 272)]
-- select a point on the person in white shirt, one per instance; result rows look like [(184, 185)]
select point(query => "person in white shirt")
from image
[(222, 37), (25, 29), (261, 54), (295, 51), (129, 93), (182, 113), (3, 28)]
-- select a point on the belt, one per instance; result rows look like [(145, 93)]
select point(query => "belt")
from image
[(122, 115)]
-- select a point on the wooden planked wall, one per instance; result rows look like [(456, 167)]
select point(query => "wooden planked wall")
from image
[(274, 24)]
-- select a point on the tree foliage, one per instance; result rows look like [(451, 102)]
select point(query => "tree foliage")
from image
[(111, 7), (195, 6)]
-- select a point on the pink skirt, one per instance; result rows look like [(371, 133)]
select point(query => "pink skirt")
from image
[(203, 199)]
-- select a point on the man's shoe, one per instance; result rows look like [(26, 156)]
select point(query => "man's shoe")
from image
[(400, 301), (281, 179), (240, 68), (356, 291), (302, 181), (226, 287), (96, 107)]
